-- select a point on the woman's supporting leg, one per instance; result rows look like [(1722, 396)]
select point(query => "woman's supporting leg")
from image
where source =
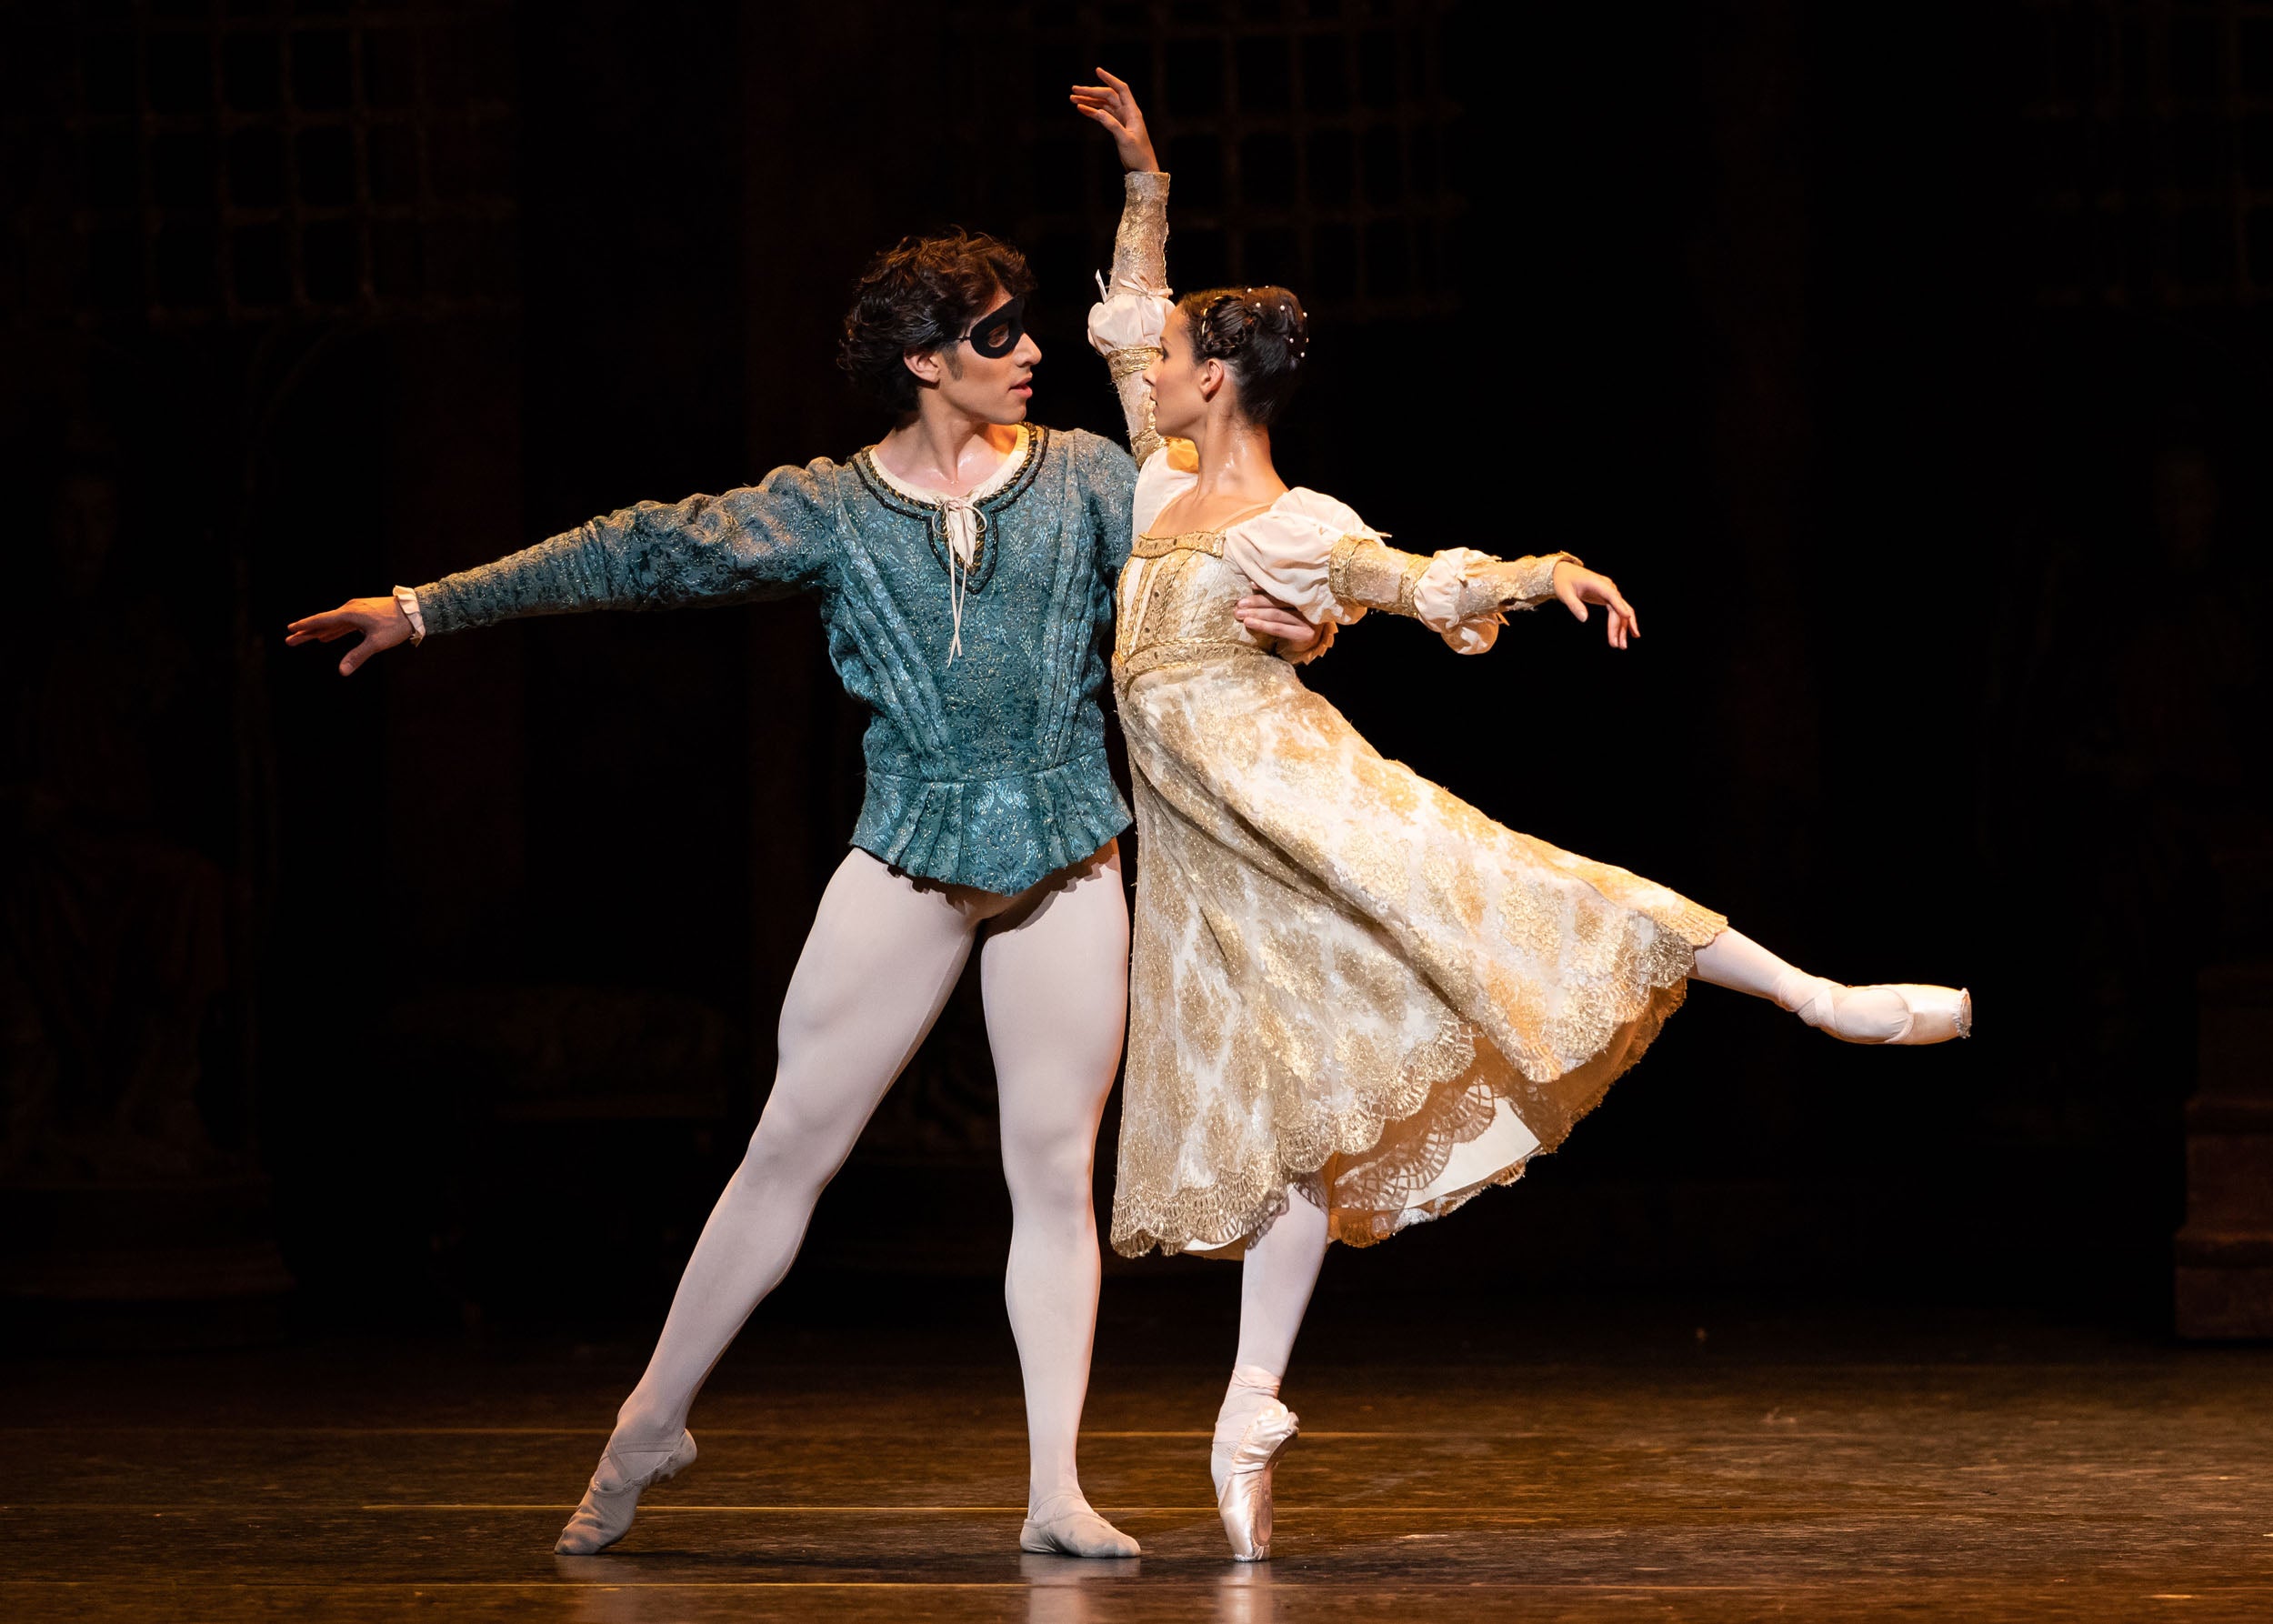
[(1274, 1284), (1888, 1014), (1054, 970), (1253, 1429), (877, 967)]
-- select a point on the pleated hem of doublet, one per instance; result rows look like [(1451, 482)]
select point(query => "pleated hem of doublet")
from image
[(1000, 834)]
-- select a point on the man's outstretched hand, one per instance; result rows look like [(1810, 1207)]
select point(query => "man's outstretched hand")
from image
[(1113, 106), (381, 621), (1267, 617)]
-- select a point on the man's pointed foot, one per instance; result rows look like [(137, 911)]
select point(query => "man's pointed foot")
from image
[(612, 1499)]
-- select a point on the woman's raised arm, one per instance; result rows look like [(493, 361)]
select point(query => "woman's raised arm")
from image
[(1125, 326)]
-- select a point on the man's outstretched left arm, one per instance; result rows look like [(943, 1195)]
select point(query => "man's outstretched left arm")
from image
[(767, 540)]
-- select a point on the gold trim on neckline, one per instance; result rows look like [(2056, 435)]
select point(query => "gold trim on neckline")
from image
[(1188, 541)]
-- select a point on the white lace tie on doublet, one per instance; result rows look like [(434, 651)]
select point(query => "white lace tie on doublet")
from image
[(960, 519)]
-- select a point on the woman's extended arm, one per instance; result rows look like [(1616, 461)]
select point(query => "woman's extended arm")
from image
[(1464, 594), (1316, 556), (1125, 327), (767, 540)]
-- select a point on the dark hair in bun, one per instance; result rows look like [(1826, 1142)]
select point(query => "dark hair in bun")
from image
[(1260, 333)]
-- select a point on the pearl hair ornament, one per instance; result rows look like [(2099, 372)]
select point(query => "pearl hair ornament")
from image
[(1252, 309)]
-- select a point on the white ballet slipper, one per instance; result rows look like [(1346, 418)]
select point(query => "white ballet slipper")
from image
[(1892, 1012), (1068, 1525), (1243, 1490), (612, 1497)]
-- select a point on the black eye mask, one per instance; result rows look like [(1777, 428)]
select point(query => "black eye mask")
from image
[(996, 333)]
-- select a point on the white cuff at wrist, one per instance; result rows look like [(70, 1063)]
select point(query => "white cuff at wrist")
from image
[(406, 600)]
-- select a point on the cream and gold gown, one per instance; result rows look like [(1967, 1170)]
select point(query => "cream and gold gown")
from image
[(1344, 977)]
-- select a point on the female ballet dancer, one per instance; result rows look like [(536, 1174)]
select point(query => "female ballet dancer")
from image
[(1356, 1001), (963, 566)]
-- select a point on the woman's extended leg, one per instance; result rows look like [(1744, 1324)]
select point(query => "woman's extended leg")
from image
[(879, 965), (1054, 970), (1889, 1014)]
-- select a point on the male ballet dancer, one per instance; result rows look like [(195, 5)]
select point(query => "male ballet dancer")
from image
[(964, 568)]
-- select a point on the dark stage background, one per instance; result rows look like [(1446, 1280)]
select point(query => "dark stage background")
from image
[(1906, 366)]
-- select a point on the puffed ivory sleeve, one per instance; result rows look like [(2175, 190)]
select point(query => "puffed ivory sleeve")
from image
[(1285, 553), (1461, 594), (767, 540), (1316, 556), (1125, 324), (1166, 474)]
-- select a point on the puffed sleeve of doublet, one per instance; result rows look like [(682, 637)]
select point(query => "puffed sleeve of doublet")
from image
[(772, 539), (1125, 324)]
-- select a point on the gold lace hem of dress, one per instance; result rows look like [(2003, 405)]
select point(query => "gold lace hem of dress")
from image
[(1364, 1165)]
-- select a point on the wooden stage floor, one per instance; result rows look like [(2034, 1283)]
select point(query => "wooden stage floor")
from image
[(1621, 1469)]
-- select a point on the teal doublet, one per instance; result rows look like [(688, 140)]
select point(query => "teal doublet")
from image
[(988, 770)]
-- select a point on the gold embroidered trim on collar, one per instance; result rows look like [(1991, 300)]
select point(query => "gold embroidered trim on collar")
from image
[(1190, 541)]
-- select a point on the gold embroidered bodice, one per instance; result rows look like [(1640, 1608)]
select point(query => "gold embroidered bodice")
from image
[(1176, 603), (1178, 593)]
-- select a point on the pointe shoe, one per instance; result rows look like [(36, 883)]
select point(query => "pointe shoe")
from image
[(1067, 1526), (613, 1496), (1899, 1012), (1243, 1496)]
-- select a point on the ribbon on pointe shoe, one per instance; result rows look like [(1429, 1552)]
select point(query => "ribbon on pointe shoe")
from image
[(1243, 1499), (1887, 1012)]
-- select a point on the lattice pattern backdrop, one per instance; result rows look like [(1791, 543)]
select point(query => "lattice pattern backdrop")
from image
[(2153, 151), (234, 160)]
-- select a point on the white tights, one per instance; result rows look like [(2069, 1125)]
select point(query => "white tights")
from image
[(884, 954), (1275, 1283), (1283, 1261)]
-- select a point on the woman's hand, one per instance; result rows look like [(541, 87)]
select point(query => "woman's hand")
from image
[(1267, 617), (1112, 105), (1577, 587), (381, 621)]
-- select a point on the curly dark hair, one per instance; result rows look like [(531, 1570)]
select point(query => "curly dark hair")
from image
[(1260, 334), (921, 294)]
